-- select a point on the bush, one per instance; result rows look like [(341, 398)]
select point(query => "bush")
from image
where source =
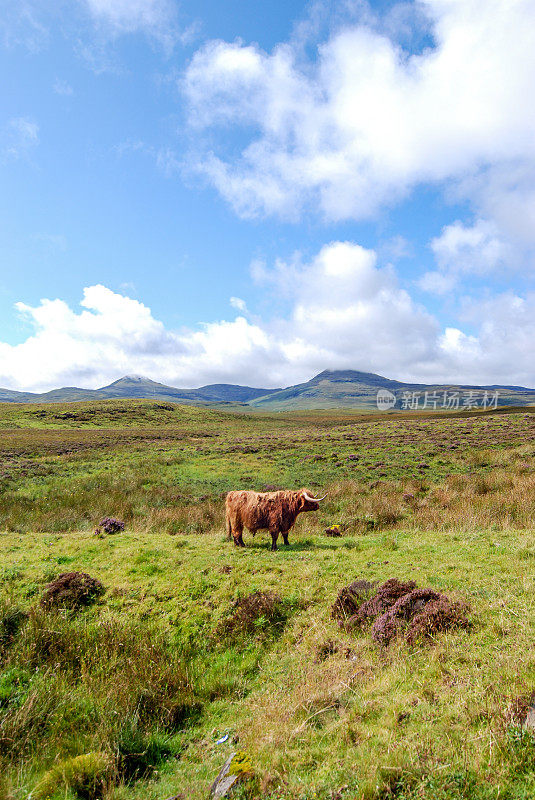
[(350, 598), (112, 525), (86, 775), (398, 607), (72, 590)]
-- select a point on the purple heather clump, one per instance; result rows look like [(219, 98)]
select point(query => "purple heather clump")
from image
[(112, 525)]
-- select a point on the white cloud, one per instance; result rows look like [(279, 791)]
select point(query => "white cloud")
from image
[(504, 349), (19, 137), (238, 304), (366, 122), (346, 313), (475, 249), (91, 26), (154, 17), (505, 193), (462, 250), (436, 282), (21, 24)]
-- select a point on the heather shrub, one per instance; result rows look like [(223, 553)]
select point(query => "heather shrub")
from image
[(112, 525), (349, 599), (398, 608), (71, 590)]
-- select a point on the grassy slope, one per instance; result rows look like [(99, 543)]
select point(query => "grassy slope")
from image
[(419, 723), (332, 390)]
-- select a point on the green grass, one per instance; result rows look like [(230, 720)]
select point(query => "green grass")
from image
[(126, 699)]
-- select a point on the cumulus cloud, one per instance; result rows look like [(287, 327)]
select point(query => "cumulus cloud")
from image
[(114, 334), (463, 250), (505, 193), (366, 121), (346, 312), (504, 349)]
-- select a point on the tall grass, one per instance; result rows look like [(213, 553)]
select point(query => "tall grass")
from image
[(90, 683)]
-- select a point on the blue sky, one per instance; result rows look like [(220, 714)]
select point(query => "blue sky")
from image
[(254, 192)]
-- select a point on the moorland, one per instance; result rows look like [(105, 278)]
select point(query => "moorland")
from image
[(133, 696)]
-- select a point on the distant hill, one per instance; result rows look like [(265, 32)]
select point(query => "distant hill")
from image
[(353, 389), (329, 389), (142, 388)]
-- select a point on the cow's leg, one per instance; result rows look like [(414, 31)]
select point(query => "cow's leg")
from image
[(274, 537), (285, 537), (237, 534), (228, 527)]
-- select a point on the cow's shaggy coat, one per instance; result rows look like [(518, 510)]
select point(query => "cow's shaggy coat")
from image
[(272, 511)]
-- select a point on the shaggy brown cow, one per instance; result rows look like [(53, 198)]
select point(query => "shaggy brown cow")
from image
[(274, 511)]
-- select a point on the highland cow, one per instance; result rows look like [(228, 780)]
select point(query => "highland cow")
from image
[(272, 511)]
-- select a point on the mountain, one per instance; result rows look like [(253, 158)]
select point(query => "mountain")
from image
[(136, 386), (353, 389), (329, 389)]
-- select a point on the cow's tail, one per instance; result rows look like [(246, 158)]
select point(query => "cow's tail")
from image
[(229, 527)]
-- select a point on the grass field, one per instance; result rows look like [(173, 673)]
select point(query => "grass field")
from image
[(127, 698)]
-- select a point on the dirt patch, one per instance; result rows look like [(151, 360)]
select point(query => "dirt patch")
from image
[(399, 608), (71, 590), (257, 612)]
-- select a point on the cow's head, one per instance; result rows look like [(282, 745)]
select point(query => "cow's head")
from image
[(309, 503)]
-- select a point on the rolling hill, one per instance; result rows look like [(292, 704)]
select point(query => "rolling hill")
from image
[(136, 386), (328, 389), (353, 389)]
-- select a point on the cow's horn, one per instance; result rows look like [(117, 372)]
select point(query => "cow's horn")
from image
[(314, 499)]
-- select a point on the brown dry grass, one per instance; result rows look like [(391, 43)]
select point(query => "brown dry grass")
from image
[(504, 498)]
